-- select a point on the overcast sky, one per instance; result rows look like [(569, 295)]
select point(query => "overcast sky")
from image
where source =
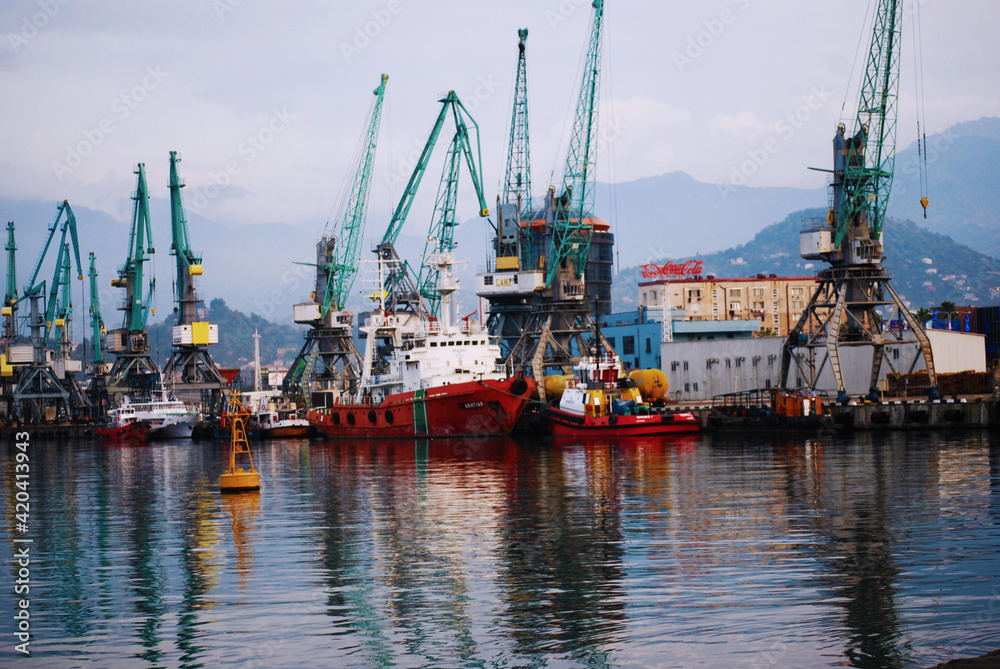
[(91, 88)]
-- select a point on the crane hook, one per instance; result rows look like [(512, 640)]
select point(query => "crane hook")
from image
[(923, 203)]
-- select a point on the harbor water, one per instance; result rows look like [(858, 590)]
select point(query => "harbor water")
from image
[(868, 550)]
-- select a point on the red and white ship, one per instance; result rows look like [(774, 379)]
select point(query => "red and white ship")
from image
[(441, 379), (123, 426), (602, 401)]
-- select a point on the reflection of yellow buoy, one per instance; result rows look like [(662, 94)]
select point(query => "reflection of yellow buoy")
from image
[(236, 479)]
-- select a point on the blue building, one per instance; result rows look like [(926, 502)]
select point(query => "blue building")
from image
[(636, 335)]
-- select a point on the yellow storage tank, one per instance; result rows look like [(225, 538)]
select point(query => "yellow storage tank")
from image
[(652, 383), (555, 384)]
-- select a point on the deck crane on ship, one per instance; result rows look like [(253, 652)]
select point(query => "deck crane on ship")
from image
[(845, 309), (540, 304), (410, 300), (133, 371), (190, 369), (404, 293), (328, 357)]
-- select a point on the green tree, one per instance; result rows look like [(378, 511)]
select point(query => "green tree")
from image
[(923, 314)]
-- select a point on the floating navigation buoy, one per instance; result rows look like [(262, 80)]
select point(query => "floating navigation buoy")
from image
[(238, 479)]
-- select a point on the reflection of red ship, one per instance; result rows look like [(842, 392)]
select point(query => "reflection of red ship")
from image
[(475, 408)]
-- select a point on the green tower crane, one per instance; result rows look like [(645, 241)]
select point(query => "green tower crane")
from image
[(572, 227), (133, 370), (10, 298), (514, 236), (854, 303), (99, 368), (40, 386), (329, 357), (190, 369)]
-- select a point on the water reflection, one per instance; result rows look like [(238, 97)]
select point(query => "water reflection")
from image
[(869, 551)]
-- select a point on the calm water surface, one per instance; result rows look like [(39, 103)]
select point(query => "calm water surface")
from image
[(865, 551)]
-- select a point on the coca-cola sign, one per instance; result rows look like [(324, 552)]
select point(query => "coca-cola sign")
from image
[(654, 271)]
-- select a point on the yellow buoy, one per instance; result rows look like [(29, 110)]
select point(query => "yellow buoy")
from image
[(238, 479)]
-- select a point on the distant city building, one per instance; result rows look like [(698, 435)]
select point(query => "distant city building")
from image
[(775, 302)]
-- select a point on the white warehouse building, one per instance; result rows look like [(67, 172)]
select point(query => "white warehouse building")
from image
[(700, 370)]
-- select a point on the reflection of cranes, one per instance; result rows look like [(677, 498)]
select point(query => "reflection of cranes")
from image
[(844, 311)]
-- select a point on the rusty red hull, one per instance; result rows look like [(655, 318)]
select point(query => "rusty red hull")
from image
[(473, 409)]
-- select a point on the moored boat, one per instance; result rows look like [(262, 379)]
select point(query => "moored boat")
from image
[(123, 426), (488, 407), (281, 424), (601, 401), (167, 418)]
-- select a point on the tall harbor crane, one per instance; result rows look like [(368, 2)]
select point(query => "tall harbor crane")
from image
[(133, 370), (329, 356), (98, 366), (846, 308), (190, 368), (39, 385), (10, 298), (402, 290), (540, 306), (9, 311)]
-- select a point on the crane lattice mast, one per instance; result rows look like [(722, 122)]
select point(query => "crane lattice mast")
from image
[(572, 228), (329, 357), (853, 294), (133, 371)]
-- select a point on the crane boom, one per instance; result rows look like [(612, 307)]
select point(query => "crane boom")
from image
[(517, 182), (10, 296), (398, 279), (96, 322), (866, 160), (571, 230), (344, 268), (188, 263), (130, 275)]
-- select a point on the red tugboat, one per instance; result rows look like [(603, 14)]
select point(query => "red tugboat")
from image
[(601, 401), (123, 426)]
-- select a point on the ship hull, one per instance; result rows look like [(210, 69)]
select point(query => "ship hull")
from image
[(172, 428), (125, 433), (565, 424), (473, 409), (285, 432)]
